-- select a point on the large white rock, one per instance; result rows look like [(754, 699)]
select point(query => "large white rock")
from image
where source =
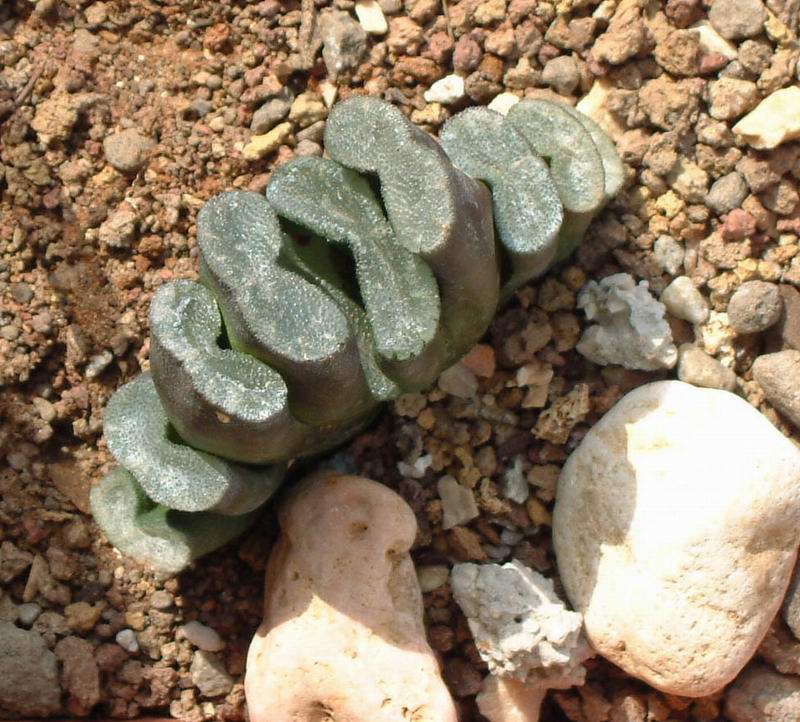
[(676, 528)]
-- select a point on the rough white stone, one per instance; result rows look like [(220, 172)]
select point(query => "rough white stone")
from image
[(503, 102), (458, 503), (675, 531), (629, 329), (521, 628), (371, 17), (449, 89), (683, 300), (775, 120)]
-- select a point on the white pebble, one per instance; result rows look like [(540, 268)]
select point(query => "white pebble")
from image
[(683, 300), (503, 103), (432, 577), (126, 638), (458, 503), (202, 637), (445, 91), (371, 17)]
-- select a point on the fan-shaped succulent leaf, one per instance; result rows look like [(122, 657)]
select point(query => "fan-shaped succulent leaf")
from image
[(612, 164), (575, 164), (220, 400), (434, 209), (168, 540), (312, 259), (527, 209), (140, 438), (398, 289), (276, 315)]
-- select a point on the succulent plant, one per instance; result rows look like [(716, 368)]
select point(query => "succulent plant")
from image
[(355, 279)]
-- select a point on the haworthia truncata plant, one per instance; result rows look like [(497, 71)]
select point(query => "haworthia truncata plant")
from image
[(355, 279)]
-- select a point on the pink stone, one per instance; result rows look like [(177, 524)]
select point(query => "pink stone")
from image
[(342, 636)]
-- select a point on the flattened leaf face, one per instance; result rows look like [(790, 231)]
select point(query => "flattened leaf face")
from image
[(152, 534), (276, 315), (575, 162), (527, 209), (434, 209), (138, 434), (398, 289), (221, 400)]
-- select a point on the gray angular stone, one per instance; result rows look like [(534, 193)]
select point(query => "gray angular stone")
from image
[(209, 675), (344, 41), (696, 367), (527, 210), (272, 112), (435, 210), (458, 503), (762, 695), (629, 325), (28, 674), (755, 306), (138, 434), (727, 193), (738, 19), (778, 374)]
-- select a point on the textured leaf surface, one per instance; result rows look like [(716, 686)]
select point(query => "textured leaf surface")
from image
[(575, 162), (398, 289), (527, 209), (434, 209), (275, 314), (138, 434), (220, 400), (165, 539)]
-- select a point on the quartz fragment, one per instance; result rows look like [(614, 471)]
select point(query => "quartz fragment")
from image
[(775, 120), (629, 329), (458, 503), (521, 628)]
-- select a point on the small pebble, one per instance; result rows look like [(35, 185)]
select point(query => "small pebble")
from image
[(503, 102), (127, 150), (126, 638), (696, 367), (778, 374), (445, 91), (28, 613), (432, 577), (669, 254), (209, 675), (458, 381), (727, 193), (683, 300), (371, 17), (458, 503), (202, 637), (161, 600), (738, 19), (754, 307)]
